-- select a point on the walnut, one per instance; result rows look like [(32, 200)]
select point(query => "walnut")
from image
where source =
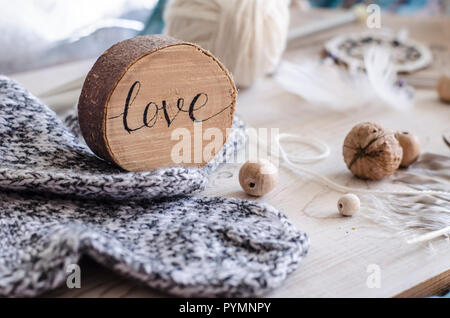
[(372, 152)]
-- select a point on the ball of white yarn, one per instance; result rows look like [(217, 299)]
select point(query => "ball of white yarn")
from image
[(247, 36)]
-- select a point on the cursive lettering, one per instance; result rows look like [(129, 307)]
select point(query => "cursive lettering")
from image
[(152, 109)]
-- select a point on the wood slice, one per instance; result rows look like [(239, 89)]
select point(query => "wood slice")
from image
[(146, 95)]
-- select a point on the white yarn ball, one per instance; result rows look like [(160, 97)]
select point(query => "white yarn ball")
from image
[(247, 36)]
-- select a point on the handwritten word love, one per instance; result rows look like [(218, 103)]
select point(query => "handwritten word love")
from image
[(152, 109)]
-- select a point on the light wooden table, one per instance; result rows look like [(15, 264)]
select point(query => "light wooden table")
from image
[(341, 248)]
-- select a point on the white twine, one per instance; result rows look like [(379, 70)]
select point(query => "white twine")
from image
[(293, 164)]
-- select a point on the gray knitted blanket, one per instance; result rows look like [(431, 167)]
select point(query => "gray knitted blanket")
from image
[(58, 201)]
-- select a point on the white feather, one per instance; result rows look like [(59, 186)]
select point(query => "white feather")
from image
[(383, 79), (408, 215), (339, 89), (418, 217)]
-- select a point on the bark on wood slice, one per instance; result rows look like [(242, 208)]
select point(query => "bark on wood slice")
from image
[(144, 96)]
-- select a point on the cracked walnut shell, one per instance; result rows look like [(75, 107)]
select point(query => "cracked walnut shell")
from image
[(372, 152)]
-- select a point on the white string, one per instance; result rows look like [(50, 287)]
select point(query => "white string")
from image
[(320, 146), (429, 236), (324, 152)]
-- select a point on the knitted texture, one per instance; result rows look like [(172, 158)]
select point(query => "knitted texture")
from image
[(40, 154), (143, 225)]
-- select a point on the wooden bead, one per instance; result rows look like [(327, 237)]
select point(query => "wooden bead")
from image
[(443, 88), (348, 204), (258, 178), (411, 147)]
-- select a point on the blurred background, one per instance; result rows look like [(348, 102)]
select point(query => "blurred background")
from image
[(42, 33)]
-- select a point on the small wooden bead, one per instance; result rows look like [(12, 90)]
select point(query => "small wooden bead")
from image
[(258, 178), (443, 88), (348, 204), (411, 147)]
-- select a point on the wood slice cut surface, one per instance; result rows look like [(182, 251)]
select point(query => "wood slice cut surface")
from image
[(153, 102)]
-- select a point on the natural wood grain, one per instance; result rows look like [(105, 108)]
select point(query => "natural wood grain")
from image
[(434, 286), (144, 89)]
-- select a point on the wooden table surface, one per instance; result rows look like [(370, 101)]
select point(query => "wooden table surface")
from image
[(341, 248)]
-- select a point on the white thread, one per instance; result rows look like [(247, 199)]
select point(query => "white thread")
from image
[(312, 142), (248, 37), (429, 236), (321, 146)]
